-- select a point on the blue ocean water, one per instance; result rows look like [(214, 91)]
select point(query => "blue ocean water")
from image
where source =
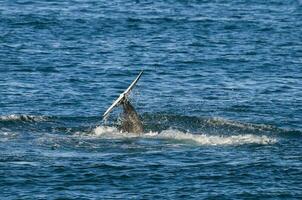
[(220, 99)]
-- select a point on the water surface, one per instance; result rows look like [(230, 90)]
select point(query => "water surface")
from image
[(220, 99)]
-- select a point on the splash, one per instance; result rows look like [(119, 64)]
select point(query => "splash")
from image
[(105, 130), (200, 139)]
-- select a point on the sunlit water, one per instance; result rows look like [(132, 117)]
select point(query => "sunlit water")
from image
[(220, 99)]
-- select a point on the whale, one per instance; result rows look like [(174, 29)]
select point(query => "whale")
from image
[(131, 121)]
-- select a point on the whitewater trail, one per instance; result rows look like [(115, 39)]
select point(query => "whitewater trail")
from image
[(201, 139)]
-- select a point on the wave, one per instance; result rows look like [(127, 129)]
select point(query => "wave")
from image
[(176, 135), (226, 122), (23, 118), (6, 135)]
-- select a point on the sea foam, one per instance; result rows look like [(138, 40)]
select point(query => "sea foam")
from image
[(200, 139)]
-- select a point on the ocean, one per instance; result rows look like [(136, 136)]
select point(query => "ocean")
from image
[(220, 99)]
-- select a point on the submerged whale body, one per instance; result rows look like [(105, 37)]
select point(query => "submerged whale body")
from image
[(131, 122)]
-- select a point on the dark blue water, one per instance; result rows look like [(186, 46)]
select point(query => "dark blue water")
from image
[(220, 99)]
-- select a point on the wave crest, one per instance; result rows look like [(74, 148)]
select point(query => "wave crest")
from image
[(25, 118)]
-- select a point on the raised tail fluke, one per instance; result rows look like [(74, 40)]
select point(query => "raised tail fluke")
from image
[(123, 95)]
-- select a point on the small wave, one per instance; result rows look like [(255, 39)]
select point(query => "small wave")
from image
[(26, 118), (201, 139), (24, 163), (6, 135), (222, 121)]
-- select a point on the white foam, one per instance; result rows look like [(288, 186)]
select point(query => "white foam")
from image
[(201, 139), (205, 139), (102, 130), (111, 132)]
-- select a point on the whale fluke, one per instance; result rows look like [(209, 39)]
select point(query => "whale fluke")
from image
[(131, 121)]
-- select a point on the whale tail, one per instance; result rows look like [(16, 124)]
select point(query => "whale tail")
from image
[(131, 121)]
